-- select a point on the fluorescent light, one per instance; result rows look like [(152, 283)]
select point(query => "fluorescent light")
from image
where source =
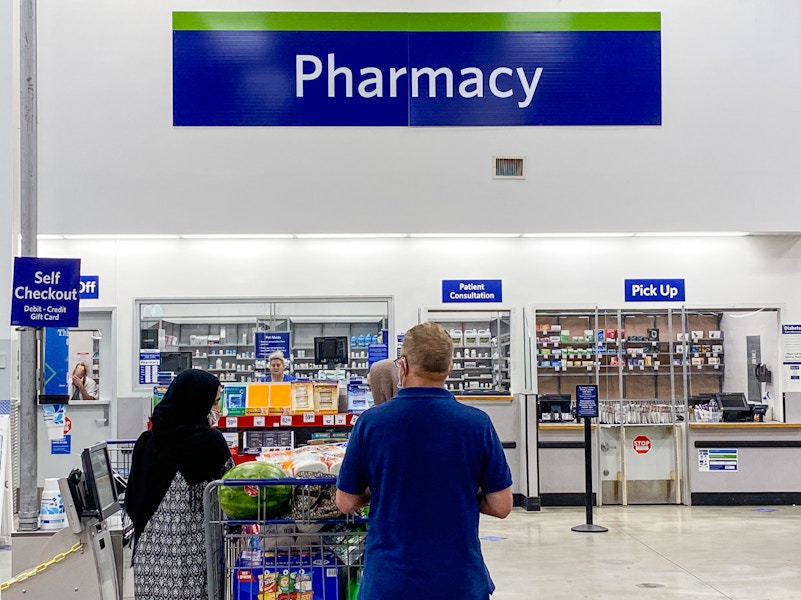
[(237, 236), (121, 236), (576, 235), (49, 236), (692, 234), (464, 235), (346, 236)]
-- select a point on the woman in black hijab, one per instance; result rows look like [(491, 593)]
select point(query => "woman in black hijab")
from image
[(170, 467)]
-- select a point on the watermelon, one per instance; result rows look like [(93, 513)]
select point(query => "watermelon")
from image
[(251, 502)]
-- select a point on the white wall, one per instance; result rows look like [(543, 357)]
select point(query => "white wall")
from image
[(719, 272), (725, 157)]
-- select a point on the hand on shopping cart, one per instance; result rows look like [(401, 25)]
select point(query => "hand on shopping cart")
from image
[(349, 503)]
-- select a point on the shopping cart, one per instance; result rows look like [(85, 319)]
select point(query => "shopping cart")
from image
[(302, 558), (120, 453)]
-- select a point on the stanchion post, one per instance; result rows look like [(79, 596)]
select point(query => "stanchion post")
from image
[(587, 409)]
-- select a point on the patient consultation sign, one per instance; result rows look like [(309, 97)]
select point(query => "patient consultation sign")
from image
[(416, 69)]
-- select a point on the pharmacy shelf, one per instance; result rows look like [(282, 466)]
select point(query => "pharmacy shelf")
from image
[(278, 421), (212, 345)]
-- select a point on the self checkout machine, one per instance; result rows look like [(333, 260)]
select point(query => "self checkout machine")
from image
[(88, 571), (735, 407), (555, 408)]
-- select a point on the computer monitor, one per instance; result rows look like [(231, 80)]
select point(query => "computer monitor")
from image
[(331, 350), (734, 405), (732, 401), (175, 362), (101, 490)]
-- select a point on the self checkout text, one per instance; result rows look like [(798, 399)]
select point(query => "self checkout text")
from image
[(48, 292)]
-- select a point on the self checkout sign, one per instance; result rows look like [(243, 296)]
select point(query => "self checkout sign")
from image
[(45, 292), (655, 290)]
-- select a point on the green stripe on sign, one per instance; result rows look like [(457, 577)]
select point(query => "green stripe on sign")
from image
[(341, 21)]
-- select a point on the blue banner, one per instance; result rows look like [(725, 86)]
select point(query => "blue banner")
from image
[(472, 290), (272, 341), (416, 78), (654, 290), (56, 362), (45, 292), (62, 446), (376, 352), (90, 287)]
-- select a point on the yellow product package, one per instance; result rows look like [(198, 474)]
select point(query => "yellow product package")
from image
[(302, 397), (326, 397)]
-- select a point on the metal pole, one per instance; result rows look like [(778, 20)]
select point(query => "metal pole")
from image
[(28, 426)]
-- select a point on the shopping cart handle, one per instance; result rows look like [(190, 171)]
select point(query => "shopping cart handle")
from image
[(283, 481)]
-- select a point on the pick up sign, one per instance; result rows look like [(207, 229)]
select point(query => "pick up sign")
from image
[(654, 290)]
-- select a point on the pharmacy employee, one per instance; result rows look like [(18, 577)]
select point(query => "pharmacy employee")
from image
[(82, 387), (277, 366)]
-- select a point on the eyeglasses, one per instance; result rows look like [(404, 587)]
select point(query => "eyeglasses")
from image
[(398, 360)]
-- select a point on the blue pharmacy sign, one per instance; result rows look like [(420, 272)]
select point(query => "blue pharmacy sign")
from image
[(586, 401), (654, 290), (268, 342), (45, 292), (90, 287), (149, 361), (416, 69), (472, 290), (56, 366), (376, 352)]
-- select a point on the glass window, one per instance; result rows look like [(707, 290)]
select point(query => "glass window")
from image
[(221, 336)]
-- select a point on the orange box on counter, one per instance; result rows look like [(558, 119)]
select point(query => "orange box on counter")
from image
[(258, 399), (280, 397), (267, 399)]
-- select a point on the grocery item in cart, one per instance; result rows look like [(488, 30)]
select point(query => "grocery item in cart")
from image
[(314, 501), (251, 502), (297, 574)]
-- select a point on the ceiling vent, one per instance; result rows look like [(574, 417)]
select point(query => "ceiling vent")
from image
[(509, 168)]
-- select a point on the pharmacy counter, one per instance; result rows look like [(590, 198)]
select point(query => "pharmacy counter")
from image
[(511, 416), (744, 463), (560, 457)]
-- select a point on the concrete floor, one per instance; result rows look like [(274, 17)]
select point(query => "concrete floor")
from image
[(649, 552), (653, 552)]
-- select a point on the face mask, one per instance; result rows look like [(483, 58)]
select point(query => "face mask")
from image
[(214, 418)]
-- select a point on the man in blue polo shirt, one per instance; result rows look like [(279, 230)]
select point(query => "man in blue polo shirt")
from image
[(427, 465)]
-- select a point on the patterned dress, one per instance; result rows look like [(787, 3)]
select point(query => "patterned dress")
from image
[(170, 557)]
